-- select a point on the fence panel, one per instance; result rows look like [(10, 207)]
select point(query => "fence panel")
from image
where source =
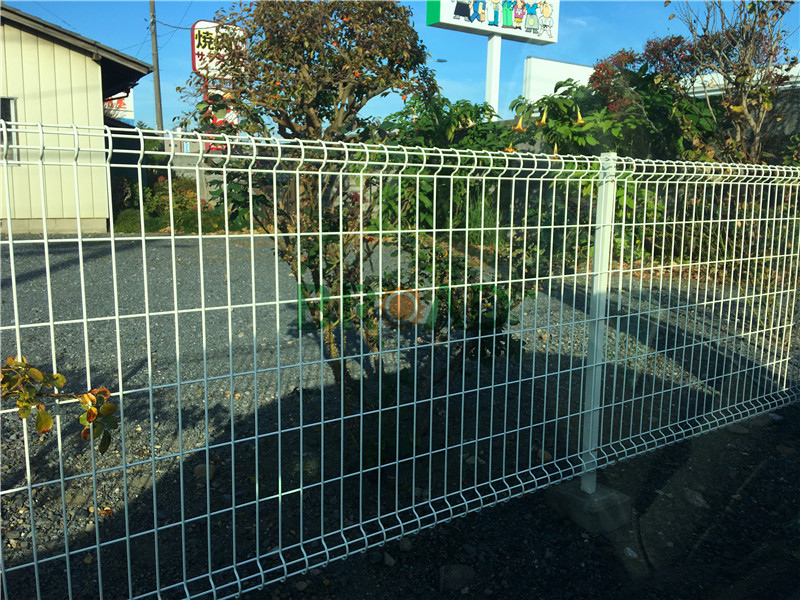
[(318, 347)]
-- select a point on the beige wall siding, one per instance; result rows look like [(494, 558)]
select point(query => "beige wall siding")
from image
[(54, 85)]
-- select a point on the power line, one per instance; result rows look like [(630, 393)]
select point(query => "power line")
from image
[(180, 21), (173, 26), (72, 27)]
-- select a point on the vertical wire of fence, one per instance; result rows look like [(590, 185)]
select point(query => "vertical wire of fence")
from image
[(318, 347)]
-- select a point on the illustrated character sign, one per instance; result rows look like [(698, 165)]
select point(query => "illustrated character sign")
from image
[(525, 20), (546, 21)]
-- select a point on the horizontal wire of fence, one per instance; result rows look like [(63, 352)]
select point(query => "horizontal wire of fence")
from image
[(312, 348)]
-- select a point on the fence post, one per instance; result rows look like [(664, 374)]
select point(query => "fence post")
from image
[(595, 365)]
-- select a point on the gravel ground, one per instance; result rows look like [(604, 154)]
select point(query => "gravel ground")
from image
[(517, 549), (716, 517)]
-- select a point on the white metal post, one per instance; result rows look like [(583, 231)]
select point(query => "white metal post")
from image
[(601, 265), (493, 72)]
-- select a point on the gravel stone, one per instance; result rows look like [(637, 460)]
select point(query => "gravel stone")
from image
[(455, 577)]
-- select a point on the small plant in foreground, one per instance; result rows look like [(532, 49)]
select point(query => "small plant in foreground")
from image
[(30, 387)]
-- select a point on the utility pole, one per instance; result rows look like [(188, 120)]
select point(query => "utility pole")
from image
[(156, 76)]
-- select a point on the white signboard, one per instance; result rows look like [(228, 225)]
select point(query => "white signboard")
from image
[(531, 21), (206, 59), (120, 106)]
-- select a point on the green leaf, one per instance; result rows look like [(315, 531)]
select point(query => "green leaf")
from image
[(105, 442), (108, 408), (110, 422), (44, 421), (36, 374), (24, 411)]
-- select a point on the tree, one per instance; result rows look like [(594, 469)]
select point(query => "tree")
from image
[(740, 60), (310, 67), (437, 122), (710, 96), (306, 70)]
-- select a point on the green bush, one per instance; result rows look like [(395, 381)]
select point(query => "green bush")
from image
[(155, 198), (129, 221)]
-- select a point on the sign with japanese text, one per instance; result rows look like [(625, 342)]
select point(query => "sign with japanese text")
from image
[(207, 60), (120, 106), (532, 21)]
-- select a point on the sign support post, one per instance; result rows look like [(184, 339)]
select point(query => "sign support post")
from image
[(530, 22), (493, 72)]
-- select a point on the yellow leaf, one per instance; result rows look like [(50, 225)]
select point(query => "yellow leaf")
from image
[(671, 17), (44, 422)]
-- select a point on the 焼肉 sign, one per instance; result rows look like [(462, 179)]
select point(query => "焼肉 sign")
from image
[(525, 21), (207, 59)]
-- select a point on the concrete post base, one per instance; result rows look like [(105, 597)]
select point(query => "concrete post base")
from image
[(601, 512)]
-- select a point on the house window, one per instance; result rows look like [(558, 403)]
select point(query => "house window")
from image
[(8, 112)]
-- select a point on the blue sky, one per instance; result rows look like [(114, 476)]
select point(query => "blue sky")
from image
[(588, 31)]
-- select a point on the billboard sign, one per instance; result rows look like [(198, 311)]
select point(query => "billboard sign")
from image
[(206, 59), (207, 62), (535, 22), (120, 107)]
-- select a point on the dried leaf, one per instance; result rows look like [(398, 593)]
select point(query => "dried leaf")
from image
[(101, 393)]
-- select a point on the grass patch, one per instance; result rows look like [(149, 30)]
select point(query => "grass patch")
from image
[(129, 221)]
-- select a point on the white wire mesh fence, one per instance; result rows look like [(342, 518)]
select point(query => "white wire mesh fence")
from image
[(318, 347)]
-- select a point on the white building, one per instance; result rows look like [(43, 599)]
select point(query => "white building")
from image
[(53, 76), (541, 75)]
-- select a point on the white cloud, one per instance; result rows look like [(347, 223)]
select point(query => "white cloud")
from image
[(576, 22)]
